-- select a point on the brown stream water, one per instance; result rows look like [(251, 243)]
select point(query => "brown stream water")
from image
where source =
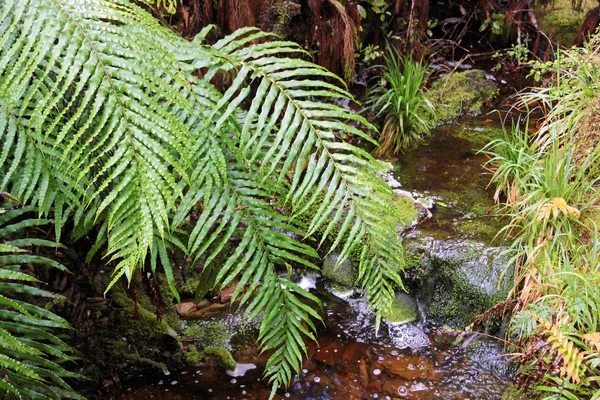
[(411, 362)]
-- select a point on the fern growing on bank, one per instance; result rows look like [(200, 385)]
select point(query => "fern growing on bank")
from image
[(110, 121), (30, 352)]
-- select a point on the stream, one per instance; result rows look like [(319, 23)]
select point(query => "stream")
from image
[(417, 360)]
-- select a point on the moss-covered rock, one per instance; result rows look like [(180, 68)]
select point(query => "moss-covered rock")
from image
[(463, 278), (222, 355), (209, 333), (344, 274), (402, 212), (479, 135), (461, 93), (562, 19), (403, 309), (512, 393)]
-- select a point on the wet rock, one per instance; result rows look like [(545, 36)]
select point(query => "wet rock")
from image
[(227, 292), (461, 278), (330, 353), (411, 367), (190, 308), (403, 309), (488, 355), (344, 274)]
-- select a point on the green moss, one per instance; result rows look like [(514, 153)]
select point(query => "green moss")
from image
[(512, 393), (143, 323), (479, 135), (485, 228), (461, 93), (208, 333), (403, 309), (121, 350), (560, 18), (344, 274), (222, 355), (401, 212), (193, 356), (412, 260)]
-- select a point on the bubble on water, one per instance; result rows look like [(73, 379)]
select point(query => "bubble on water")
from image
[(402, 391), (234, 381), (317, 379), (376, 371), (195, 381), (243, 392), (305, 371), (198, 372), (375, 396), (287, 395), (174, 383), (166, 372), (183, 372), (380, 358), (209, 390), (394, 352), (160, 382), (335, 350)]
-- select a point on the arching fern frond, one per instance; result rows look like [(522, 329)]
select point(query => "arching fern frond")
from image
[(30, 352), (88, 121), (104, 120), (289, 138)]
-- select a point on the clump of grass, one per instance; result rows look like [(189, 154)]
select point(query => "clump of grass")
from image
[(399, 99), (550, 195)]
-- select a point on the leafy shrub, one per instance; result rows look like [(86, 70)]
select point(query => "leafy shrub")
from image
[(400, 100)]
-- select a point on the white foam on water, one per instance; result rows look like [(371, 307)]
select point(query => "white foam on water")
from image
[(308, 281), (240, 369), (405, 335)]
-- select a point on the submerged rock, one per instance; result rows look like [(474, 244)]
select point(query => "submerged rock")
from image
[(488, 355), (405, 335)]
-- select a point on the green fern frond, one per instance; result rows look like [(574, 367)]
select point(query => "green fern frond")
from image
[(288, 137), (87, 119), (30, 352), (105, 122)]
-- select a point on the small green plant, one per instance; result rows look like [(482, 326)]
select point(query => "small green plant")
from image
[(400, 100)]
